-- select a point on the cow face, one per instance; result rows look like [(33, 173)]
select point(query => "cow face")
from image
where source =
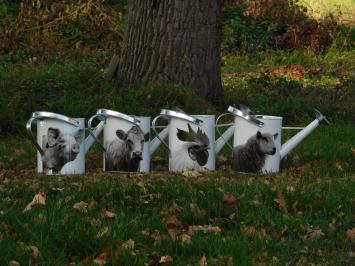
[(266, 142), (134, 139)]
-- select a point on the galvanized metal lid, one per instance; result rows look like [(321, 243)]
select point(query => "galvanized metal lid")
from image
[(111, 113), (248, 117), (181, 115), (43, 115)]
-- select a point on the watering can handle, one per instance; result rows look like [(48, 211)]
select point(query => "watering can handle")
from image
[(102, 118), (157, 134), (33, 139), (217, 128)]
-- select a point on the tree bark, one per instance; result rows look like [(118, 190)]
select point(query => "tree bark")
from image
[(172, 41)]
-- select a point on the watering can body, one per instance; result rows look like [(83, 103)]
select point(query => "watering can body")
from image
[(246, 126), (191, 141), (60, 142), (125, 141)]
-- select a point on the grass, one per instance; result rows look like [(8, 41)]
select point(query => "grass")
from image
[(299, 215)]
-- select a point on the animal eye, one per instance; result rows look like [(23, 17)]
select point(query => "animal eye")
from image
[(266, 140), (129, 141)]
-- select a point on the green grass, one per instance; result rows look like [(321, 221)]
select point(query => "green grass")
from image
[(317, 183)]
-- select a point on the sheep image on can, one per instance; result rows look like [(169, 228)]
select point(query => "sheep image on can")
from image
[(193, 153), (125, 152), (59, 149), (251, 156)]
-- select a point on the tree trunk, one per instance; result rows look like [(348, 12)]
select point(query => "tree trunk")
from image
[(172, 41)]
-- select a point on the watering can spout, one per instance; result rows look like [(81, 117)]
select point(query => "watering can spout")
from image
[(295, 140), (154, 144), (94, 133)]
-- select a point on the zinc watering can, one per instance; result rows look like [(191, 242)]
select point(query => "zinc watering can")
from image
[(61, 143), (126, 145), (266, 131), (191, 140)]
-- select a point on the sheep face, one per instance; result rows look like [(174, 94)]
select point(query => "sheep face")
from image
[(134, 139), (59, 148), (197, 144), (266, 142)]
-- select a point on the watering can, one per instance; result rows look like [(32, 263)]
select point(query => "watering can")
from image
[(126, 145), (247, 125), (191, 140), (61, 143)]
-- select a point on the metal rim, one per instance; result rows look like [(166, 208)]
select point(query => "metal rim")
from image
[(250, 118), (44, 114), (171, 113), (111, 113)]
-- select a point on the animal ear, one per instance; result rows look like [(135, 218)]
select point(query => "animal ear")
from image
[(146, 137), (258, 135), (121, 134), (79, 135), (182, 135), (52, 136), (276, 135)]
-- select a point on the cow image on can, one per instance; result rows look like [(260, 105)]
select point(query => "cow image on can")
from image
[(125, 141)]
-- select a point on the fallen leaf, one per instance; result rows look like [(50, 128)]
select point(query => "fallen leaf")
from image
[(251, 231), (14, 263), (128, 245), (81, 206), (193, 173), (350, 234), (196, 211), (230, 199), (185, 239), (38, 199), (257, 199), (108, 214), (203, 261), (102, 232), (230, 261), (281, 203), (172, 222), (165, 259), (314, 233), (204, 228), (35, 251), (99, 262), (353, 151)]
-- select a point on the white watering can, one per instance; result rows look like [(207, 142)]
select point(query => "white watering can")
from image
[(191, 140), (247, 125), (126, 146), (60, 142)]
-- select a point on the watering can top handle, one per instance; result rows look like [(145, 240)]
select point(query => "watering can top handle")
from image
[(43, 114), (181, 115), (110, 113), (248, 117), (219, 132), (90, 128), (156, 132), (33, 139)]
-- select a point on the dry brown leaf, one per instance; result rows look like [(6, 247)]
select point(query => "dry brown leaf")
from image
[(203, 261), (165, 259), (230, 199), (99, 262), (102, 232), (204, 228), (314, 233), (38, 199), (196, 211), (173, 222), (257, 199), (81, 206), (350, 235), (252, 231), (128, 245), (185, 239), (193, 173), (281, 203), (35, 251), (353, 151), (14, 263), (108, 214)]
